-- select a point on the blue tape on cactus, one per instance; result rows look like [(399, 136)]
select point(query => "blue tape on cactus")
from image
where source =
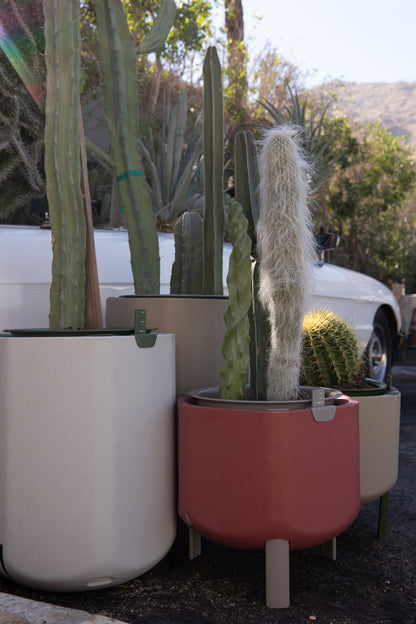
[(130, 172)]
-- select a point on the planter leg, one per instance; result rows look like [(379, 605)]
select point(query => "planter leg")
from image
[(194, 543), (329, 549), (277, 574), (382, 516)]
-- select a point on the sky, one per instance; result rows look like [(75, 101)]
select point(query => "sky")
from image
[(352, 40)]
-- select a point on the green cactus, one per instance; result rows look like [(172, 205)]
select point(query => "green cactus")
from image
[(213, 132), (286, 249), (118, 61), (187, 268), (246, 185), (247, 181), (62, 163), (237, 337), (330, 351)]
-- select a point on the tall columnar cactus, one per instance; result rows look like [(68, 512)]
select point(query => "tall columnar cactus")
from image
[(246, 185), (330, 351), (213, 132), (118, 62), (62, 163), (285, 246)]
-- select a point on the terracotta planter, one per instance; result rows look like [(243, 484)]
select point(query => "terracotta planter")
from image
[(280, 478), (198, 325), (87, 447)]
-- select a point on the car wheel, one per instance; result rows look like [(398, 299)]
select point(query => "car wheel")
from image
[(379, 355)]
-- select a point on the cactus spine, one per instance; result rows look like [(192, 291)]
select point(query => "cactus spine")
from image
[(213, 133), (236, 339), (330, 350), (285, 245), (118, 61), (62, 163)]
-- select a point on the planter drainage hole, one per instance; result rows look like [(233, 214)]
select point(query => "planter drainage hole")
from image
[(105, 580)]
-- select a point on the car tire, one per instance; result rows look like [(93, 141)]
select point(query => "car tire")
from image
[(379, 348)]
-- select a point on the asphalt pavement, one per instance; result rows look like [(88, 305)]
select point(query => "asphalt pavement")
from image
[(371, 581)]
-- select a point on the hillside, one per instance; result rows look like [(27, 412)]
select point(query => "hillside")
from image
[(394, 104)]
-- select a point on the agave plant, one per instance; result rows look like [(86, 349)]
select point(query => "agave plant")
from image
[(172, 167), (317, 146)]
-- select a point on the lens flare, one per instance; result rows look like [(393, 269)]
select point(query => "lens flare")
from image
[(21, 67)]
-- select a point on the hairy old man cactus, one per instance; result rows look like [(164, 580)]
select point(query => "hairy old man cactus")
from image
[(330, 350), (282, 246), (286, 248)]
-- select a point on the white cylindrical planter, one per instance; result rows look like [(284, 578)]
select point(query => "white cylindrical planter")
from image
[(87, 487)]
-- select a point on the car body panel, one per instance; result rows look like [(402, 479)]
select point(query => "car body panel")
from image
[(25, 274)]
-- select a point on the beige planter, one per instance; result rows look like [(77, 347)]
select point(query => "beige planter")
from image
[(198, 325), (87, 448), (379, 444)]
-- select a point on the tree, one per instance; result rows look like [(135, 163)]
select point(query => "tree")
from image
[(236, 92), (364, 199)]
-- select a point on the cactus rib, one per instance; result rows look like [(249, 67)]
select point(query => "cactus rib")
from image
[(213, 132), (118, 61), (187, 268), (62, 163)]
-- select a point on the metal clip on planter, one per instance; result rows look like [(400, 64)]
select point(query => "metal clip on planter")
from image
[(144, 339), (320, 411)]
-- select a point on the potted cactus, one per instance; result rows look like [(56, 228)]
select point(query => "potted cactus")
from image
[(331, 355), (195, 308), (87, 415), (269, 463)]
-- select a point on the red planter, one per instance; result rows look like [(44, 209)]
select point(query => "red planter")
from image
[(246, 477)]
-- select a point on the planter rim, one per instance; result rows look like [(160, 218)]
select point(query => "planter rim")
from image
[(59, 333), (170, 296), (377, 388), (208, 397)]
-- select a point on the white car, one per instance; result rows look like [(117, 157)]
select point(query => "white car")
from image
[(25, 267)]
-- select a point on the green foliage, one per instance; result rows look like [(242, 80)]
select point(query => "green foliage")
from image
[(318, 147), (172, 163), (21, 122), (364, 199), (21, 144), (330, 351), (192, 27), (236, 90)]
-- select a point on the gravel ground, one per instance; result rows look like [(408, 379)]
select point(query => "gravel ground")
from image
[(371, 582)]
